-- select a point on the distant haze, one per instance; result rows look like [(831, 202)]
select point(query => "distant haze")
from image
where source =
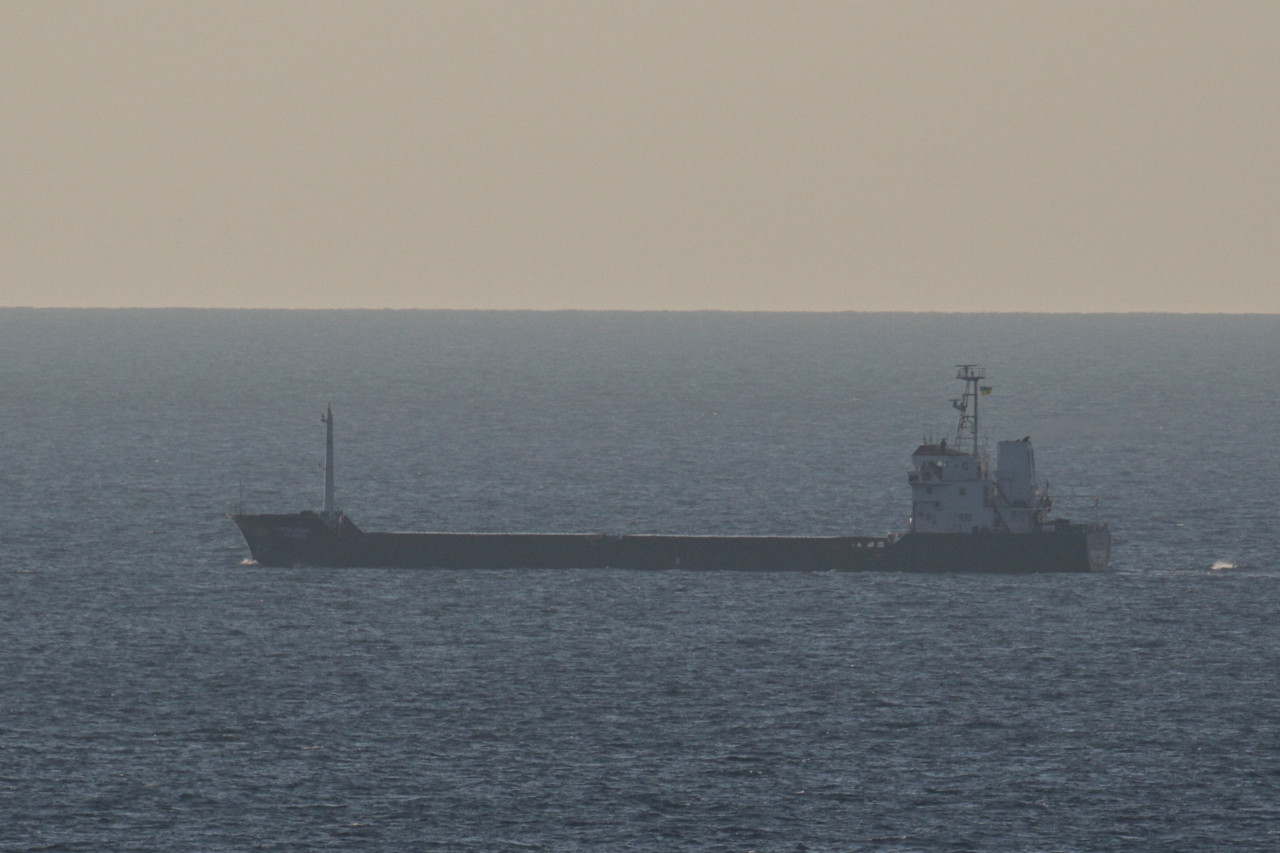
[(816, 156)]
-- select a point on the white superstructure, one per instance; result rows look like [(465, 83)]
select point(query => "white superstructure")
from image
[(953, 489)]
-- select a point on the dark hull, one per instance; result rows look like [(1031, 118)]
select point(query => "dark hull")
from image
[(306, 540)]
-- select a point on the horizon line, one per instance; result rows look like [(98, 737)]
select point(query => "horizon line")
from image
[(641, 310)]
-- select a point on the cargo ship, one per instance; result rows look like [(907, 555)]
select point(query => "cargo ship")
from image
[(966, 516)]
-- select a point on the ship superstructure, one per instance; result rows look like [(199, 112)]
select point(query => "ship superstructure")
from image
[(954, 489)]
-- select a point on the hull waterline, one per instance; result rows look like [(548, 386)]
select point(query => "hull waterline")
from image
[(307, 540)]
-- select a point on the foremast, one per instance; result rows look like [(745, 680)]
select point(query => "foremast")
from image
[(329, 511)]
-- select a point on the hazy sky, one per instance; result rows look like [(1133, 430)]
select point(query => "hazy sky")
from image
[(1019, 156)]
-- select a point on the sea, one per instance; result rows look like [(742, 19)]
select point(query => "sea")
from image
[(159, 691)]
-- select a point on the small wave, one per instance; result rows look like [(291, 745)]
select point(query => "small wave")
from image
[(1220, 565)]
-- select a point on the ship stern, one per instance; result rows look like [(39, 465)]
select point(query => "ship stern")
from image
[(1097, 543)]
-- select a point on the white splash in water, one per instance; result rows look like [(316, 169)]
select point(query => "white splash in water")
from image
[(1219, 565)]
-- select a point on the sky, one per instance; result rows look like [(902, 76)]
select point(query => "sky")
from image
[(691, 155)]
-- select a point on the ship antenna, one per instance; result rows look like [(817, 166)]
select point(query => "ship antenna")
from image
[(329, 510), (967, 429)]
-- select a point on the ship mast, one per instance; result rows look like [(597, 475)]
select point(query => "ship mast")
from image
[(967, 405), (330, 509)]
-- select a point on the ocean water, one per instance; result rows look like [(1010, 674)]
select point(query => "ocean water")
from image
[(158, 693)]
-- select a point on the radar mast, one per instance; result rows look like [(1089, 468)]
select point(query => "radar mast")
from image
[(967, 405)]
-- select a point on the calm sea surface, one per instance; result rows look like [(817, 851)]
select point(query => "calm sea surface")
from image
[(158, 693)]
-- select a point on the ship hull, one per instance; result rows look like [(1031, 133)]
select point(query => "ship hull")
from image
[(307, 540)]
